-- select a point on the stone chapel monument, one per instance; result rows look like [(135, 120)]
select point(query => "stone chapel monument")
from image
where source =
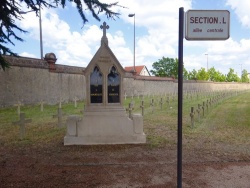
[(104, 119)]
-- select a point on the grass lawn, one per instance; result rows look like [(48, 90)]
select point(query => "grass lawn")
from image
[(225, 123)]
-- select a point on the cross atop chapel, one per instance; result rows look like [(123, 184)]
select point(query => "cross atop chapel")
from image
[(104, 37), (104, 27)]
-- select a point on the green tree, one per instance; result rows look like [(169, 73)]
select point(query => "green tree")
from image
[(192, 75), (11, 10), (213, 74), (244, 76), (185, 74), (221, 78), (216, 76), (165, 67), (202, 74), (231, 76)]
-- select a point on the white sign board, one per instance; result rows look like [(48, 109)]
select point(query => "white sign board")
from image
[(207, 25)]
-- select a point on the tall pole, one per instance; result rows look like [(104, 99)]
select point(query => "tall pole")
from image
[(133, 15), (241, 71), (40, 27), (180, 97), (207, 61), (134, 43), (41, 35)]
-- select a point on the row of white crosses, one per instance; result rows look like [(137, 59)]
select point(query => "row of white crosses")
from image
[(171, 97), (207, 104), (151, 105), (22, 121), (19, 104), (187, 94)]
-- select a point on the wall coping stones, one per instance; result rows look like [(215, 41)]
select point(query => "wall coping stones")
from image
[(26, 62), (42, 64), (154, 78)]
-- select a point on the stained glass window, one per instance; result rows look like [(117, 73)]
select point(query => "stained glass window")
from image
[(96, 82), (113, 86)]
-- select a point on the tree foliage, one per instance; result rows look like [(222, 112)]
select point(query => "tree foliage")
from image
[(166, 67), (216, 76), (231, 76), (244, 76), (11, 10), (202, 74), (185, 74), (192, 75)]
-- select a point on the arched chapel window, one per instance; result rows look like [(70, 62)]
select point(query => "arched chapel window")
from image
[(113, 86), (96, 82)]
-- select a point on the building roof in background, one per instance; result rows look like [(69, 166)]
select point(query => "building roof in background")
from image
[(138, 69)]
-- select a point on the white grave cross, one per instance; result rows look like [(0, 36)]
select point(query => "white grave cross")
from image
[(21, 123), (19, 104), (41, 103), (59, 117)]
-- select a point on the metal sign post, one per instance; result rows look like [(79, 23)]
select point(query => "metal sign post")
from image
[(180, 94), (200, 25)]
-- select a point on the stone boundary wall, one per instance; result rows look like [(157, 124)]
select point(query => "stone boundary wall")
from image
[(140, 87), (31, 81)]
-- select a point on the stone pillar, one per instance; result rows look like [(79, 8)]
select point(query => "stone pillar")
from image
[(51, 60)]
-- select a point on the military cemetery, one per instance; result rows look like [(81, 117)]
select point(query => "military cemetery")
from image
[(102, 126)]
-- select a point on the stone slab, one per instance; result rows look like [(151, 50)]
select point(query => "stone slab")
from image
[(72, 121), (138, 123), (105, 126), (103, 140)]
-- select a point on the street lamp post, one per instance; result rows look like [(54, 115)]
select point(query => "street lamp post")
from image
[(40, 27), (207, 61), (41, 35), (133, 15), (241, 71)]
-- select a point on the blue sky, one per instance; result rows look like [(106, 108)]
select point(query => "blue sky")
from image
[(156, 35)]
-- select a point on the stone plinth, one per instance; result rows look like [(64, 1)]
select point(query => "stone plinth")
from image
[(105, 125)]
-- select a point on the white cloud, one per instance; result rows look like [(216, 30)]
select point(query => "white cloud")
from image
[(159, 21), (224, 54), (221, 54), (159, 18), (71, 47), (26, 54), (241, 8)]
